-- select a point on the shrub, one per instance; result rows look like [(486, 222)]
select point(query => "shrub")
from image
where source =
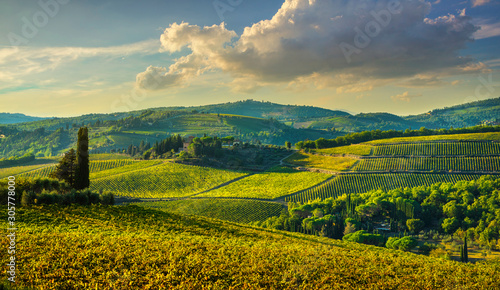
[(404, 244), (365, 238), (108, 198), (28, 198)]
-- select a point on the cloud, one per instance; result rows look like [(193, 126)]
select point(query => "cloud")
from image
[(17, 62), (421, 81), (404, 97), (487, 29), (476, 3), (304, 41)]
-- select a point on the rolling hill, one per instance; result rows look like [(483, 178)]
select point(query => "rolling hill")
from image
[(250, 121)]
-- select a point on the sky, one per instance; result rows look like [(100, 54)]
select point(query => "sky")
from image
[(68, 57)]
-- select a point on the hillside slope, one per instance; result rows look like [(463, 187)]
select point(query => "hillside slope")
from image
[(116, 247)]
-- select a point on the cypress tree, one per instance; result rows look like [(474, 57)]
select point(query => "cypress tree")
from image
[(466, 253), (82, 160)]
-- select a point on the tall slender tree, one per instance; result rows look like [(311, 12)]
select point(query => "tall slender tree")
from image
[(82, 160), (466, 252)]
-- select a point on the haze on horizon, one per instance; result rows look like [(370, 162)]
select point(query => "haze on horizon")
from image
[(67, 58)]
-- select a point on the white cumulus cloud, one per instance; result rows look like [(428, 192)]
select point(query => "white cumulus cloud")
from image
[(349, 45)]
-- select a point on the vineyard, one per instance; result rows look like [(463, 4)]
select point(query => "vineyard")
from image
[(129, 247), (108, 156), (438, 149), (100, 169), (488, 164), (495, 136), (234, 210), (17, 170), (41, 172), (358, 183), (94, 167), (269, 184), (165, 180)]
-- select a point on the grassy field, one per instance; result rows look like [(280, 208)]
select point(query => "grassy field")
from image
[(163, 180), (359, 183), (269, 185), (354, 149), (453, 137), (234, 210), (128, 247), (323, 162)]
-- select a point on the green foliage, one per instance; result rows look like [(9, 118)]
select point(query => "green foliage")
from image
[(363, 237), (450, 225), (464, 254), (16, 160), (81, 174), (426, 248), (404, 244), (415, 225), (66, 169), (42, 191), (358, 183)]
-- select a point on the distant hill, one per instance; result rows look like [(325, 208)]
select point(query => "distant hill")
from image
[(270, 110), (7, 118), (469, 114), (465, 115)]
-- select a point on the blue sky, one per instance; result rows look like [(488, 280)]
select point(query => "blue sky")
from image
[(69, 57)]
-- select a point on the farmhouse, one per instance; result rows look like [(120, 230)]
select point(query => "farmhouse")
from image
[(186, 143)]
